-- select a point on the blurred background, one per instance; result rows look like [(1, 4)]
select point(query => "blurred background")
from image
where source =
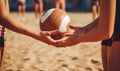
[(71, 5)]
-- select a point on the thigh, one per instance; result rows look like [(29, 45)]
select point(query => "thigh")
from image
[(1, 55), (36, 7), (41, 7), (114, 64)]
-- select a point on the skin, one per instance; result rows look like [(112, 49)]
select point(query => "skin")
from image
[(38, 10), (21, 9), (113, 64), (101, 31), (95, 10), (2, 56), (10, 23), (60, 4), (105, 52)]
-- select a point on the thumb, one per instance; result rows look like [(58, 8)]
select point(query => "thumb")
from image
[(53, 32), (72, 35), (72, 27), (49, 33)]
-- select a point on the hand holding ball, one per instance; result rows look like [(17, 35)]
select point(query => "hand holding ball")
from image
[(55, 19)]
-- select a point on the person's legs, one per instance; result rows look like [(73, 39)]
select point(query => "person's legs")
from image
[(105, 56), (19, 11), (63, 6), (2, 56), (94, 12), (57, 5), (98, 8), (40, 9), (114, 64), (105, 52), (36, 11), (23, 10), (0, 59)]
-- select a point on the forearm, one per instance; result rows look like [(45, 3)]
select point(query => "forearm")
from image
[(104, 29), (16, 26), (9, 22), (94, 35), (90, 26)]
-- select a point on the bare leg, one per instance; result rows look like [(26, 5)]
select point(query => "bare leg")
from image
[(94, 11), (63, 6), (41, 10), (98, 9), (57, 5), (19, 11), (36, 11), (105, 56), (23, 10), (2, 56), (114, 64)]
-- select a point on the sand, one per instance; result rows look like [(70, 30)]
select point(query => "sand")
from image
[(24, 53)]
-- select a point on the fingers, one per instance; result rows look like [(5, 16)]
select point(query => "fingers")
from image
[(51, 39), (60, 44), (73, 35), (72, 27), (49, 33), (48, 40), (64, 44), (70, 41), (53, 32)]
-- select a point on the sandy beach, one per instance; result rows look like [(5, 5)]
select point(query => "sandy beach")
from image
[(24, 53)]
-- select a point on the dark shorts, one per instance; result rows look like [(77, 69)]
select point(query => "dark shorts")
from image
[(2, 42), (96, 2), (21, 3), (38, 1), (107, 42)]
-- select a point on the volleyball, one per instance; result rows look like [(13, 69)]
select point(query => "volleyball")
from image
[(54, 19)]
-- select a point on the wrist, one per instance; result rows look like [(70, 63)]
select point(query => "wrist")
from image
[(83, 30), (35, 35)]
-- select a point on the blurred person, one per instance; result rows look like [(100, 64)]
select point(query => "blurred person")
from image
[(7, 21), (61, 4), (105, 27), (38, 7), (21, 9), (95, 8)]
